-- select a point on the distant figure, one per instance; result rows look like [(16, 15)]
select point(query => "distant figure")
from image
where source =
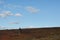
[(20, 30)]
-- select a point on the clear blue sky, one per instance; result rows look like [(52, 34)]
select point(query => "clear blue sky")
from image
[(29, 13)]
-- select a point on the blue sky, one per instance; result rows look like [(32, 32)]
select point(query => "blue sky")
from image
[(29, 13)]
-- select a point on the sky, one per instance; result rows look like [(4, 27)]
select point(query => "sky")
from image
[(29, 13)]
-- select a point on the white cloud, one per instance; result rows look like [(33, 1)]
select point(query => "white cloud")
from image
[(4, 14), (18, 14), (32, 9), (8, 13), (13, 22), (47, 26), (2, 27), (29, 27), (39, 26)]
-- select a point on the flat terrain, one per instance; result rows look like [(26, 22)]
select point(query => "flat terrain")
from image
[(31, 34)]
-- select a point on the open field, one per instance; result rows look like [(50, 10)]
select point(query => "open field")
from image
[(31, 34)]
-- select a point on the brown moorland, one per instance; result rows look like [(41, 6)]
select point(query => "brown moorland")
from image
[(31, 34)]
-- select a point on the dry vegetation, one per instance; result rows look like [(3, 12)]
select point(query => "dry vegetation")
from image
[(31, 34)]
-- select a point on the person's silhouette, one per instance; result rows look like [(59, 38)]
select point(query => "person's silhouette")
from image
[(20, 30)]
